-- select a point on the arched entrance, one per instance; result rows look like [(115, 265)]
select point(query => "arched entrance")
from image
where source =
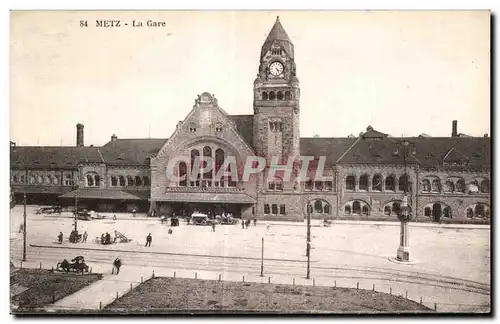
[(436, 212)]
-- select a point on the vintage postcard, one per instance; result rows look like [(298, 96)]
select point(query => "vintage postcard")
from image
[(333, 162)]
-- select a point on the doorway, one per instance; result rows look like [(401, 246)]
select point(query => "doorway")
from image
[(436, 212)]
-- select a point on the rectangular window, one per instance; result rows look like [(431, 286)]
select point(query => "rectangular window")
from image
[(328, 185), (274, 208), (282, 209), (266, 209), (318, 185)]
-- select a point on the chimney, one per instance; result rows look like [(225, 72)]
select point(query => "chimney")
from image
[(114, 138), (454, 132), (79, 135), (485, 135)]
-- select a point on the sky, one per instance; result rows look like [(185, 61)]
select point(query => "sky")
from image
[(404, 73)]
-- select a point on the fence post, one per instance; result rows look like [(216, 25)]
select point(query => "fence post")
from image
[(314, 282), (130, 286), (407, 294), (52, 268), (243, 278), (269, 280), (90, 270), (153, 273), (335, 283), (390, 290), (373, 287), (142, 280), (40, 265), (100, 305), (435, 306), (21, 265), (174, 274), (53, 298), (220, 277), (117, 295), (357, 285), (294, 281), (420, 300), (196, 275)]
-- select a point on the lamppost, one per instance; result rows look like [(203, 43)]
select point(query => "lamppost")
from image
[(404, 215), (308, 241), (76, 212), (24, 228)]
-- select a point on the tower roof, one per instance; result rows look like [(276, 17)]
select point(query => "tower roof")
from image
[(278, 35)]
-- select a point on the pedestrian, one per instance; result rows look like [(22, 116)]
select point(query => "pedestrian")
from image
[(149, 239), (242, 223), (114, 217), (107, 238), (170, 231), (268, 226), (21, 228), (133, 212), (188, 219), (60, 237), (84, 237), (103, 239), (255, 222), (213, 226), (116, 266)]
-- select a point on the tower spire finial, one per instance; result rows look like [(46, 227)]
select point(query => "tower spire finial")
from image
[(277, 17)]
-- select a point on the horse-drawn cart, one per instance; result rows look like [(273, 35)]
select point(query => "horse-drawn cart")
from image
[(77, 265)]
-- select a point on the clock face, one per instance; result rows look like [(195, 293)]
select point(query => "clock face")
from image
[(276, 68)]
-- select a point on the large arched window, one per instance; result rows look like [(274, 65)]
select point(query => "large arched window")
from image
[(350, 183), (219, 159), (365, 210), (404, 183), (387, 210), (264, 95), (279, 95), (485, 186), (390, 183), (426, 185), (396, 208), (347, 209), (122, 181), (130, 181), (377, 182), (272, 95), (288, 95), (195, 158), (436, 185), (363, 182), (207, 154), (318, 207), (114, 181), (138, 181)]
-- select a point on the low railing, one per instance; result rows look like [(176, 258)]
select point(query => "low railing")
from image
[(203, 189)]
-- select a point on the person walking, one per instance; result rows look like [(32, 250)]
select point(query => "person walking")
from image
[(116, 266), (255, 222), (242, 223), (60, 237), (213, 226), (84, 237), (149, 239)]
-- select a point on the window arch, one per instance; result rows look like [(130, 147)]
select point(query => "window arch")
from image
[(146, 181), (356, 208), (138, 181), (377, 182), (279, 95), (347, 209), (49, 179), (130, 181), (469, 213), (404, 183), (90, 180), (363, 182), (426, 185), (272, 95), (207, 154), (460, 187), (122, 181), (264, 96), (276, 184), (350, 183), (114, 181), (485, 186), (387, 210), (219, 159), (40, 179), (183, 172), (288, 95), (319, 206), (365, 210), (195, 154), (32, 179), (389, 183), (14, 178), (436, 185), (396, 208), (56, 180), (22, 178), (427, 211)]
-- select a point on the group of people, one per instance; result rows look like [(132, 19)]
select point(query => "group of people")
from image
[(106, 238)]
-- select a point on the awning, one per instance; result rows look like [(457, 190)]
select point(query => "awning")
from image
[(29, 189), (207, 197), (111, 194)]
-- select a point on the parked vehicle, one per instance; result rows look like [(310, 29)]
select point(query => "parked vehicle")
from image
[(200, 219)]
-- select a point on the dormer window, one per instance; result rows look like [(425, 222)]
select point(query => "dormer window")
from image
[(276, 126), (192, 129)]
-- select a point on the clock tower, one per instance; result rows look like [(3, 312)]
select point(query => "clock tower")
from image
[(276, 99)]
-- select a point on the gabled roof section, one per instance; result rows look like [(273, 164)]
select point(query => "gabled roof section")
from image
[(244, 125), (278, 36), (331, 148), (131, 151), (454, 157), (60, 157)]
